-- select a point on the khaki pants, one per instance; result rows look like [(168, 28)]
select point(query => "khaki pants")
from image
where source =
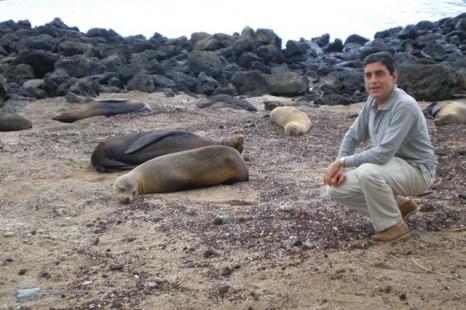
[(375, 188)]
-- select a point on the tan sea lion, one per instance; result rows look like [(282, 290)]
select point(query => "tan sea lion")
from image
[(201, 167), (125, 152), (103, 107), (451, 113), (13, 122), (294, 121)]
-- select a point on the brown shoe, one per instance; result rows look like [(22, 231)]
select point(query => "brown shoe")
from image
[(408, 208), (394, 233)]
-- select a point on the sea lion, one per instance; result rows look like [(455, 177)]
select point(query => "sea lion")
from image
[(449, 113), (125, 152), (13, 122), (227, 100), (201, 167), (102, 107), (431, 110), (294, 121)]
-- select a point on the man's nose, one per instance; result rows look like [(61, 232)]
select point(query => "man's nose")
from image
[(372, 78)]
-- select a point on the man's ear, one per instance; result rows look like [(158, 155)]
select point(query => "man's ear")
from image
[(395, 76)]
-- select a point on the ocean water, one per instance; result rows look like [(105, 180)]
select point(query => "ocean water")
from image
[(290, 20)]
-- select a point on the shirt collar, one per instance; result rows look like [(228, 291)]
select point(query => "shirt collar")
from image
[(389, 102)]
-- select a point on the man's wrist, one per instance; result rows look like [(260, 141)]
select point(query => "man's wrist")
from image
[(342, 161)]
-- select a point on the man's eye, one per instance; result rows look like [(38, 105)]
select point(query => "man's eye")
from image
[(379, 74)]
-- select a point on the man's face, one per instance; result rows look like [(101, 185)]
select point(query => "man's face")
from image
[(378, 81)]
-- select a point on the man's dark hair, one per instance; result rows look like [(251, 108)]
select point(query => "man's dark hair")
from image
[(383, 57)]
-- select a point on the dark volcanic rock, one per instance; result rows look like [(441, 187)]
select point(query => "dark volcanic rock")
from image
[(56, 58)]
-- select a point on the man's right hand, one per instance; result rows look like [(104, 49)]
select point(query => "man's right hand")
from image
[(333, 175)]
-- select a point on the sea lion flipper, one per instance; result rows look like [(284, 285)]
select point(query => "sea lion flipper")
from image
[(432, 109), (148, 139)]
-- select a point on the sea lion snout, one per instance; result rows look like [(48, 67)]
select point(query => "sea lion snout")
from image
[(145, 107), (124, 189)]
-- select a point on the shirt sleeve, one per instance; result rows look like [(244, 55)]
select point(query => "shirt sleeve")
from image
[(356, 134)]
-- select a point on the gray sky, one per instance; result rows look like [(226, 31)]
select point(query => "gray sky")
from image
[(290, 19)]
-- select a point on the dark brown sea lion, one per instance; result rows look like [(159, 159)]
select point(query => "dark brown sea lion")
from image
[(102, 107), (127, 151), (13, 122), (201, 167), (294, 121)]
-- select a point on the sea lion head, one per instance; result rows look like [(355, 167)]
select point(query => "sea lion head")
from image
[(447, 119), (294, 129), (236, 142), (125, 188)]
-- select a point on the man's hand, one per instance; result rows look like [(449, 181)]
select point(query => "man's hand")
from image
[(333, 176)]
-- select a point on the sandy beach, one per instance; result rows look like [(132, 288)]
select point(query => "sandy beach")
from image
[(274, 242)]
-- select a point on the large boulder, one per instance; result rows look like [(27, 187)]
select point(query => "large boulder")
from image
[(80, 66), (41, 61), (70, 48), (208, 62), (288, 84), (141, 81), (251, 83), (429, 82)]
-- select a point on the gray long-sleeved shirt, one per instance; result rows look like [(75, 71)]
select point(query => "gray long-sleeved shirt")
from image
[(397, 129)]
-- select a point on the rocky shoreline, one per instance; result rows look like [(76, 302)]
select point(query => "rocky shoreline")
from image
[(57, 60)]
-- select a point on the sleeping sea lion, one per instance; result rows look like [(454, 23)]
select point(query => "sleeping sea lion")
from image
[(450, 113), (127, 151), (432, 110), (13, 122), (201, 167), (294, 121), (102, 107)]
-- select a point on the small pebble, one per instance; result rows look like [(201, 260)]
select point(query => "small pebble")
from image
[(226, 271), (208, 254), (223, 289), (25, 293), (116, 267), (8, 234)]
